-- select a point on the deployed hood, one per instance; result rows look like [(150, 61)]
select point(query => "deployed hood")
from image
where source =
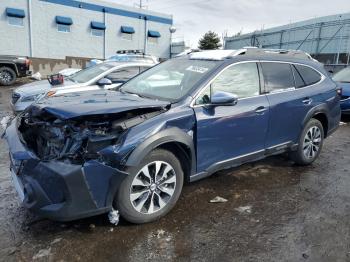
[(345, 87), (96, 102), (40, 87)]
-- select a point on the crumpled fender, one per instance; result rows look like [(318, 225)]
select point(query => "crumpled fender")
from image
[(173, 134)]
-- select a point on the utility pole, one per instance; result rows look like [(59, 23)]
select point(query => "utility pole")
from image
[(140, 5)]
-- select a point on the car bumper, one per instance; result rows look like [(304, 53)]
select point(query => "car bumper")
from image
[(58, 190), (345, 106), (18, 107)]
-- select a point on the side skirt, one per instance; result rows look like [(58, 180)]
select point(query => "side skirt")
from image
[(240, 160)]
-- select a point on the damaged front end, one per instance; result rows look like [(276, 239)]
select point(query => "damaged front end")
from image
[(57, 163), (77, 140)]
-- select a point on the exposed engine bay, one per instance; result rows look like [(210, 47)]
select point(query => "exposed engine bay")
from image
[(77, 140)]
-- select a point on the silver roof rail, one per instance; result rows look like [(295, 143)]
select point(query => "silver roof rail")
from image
[(283, 52)]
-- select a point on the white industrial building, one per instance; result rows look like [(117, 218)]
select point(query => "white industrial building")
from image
[(57, 29)]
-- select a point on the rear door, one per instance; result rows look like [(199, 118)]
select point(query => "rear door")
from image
[(229, 132), (291, 96)]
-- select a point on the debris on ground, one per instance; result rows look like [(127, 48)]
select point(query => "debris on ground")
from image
[(56, 241), (113, 217), (4, 121), (36, 76), (92, 226), (342, 123), (42, 253), (244, 209), (218, 199), (160, 233)]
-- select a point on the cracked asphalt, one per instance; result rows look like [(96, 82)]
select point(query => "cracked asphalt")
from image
[(275, 212)]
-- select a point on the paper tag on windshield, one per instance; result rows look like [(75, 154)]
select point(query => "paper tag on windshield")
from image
[(197, 69)]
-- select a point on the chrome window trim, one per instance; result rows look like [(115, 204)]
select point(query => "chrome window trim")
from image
[(323, 77)]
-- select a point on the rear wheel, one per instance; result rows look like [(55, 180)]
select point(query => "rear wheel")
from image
[(152, 189), (310, 143), (7, 76)]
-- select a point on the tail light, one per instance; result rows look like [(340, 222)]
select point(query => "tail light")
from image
[(28, 62)]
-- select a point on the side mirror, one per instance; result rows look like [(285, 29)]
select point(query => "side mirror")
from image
[(104, 82), (223, 98)]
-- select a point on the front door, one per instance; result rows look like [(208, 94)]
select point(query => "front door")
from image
[(229, 132)]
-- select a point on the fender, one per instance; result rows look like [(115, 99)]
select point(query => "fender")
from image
[(173, 134), (9, 64), (321, 108)]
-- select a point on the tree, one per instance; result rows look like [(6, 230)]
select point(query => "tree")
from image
[(210, 40)]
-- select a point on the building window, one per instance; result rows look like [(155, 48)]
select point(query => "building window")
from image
[(63, 28), (16, 21), (153, 40), (126, 36), (97, 32)]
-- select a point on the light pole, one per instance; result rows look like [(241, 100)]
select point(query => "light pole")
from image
[(172, 30)]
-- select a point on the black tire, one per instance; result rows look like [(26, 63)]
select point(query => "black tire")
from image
[(301, 157), (123, 202), (7, 76)]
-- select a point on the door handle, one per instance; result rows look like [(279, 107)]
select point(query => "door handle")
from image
[(260, 110), (307, 101)]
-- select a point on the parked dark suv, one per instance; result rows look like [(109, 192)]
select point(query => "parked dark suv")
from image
[(83, 154), (13, 67)]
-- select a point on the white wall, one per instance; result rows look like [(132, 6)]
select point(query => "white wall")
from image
[(13, 39), (49, 43)]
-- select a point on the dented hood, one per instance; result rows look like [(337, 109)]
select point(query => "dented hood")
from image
[(97, 102)]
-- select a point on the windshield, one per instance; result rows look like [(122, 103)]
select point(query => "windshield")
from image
[(342, 75), (170, 80), (89, 73)]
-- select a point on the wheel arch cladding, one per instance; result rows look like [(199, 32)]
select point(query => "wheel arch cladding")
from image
[(173, 139), (10, 65), (322, 117), (320, 113)]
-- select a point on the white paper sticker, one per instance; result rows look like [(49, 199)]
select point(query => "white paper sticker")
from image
[(197, 69)]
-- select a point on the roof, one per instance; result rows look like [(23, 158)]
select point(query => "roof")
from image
[(252, 52)]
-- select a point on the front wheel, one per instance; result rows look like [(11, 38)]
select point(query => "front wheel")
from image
[(151, 189), (310, 143)]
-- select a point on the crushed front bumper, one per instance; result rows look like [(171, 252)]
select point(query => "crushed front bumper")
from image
[(57, 190)]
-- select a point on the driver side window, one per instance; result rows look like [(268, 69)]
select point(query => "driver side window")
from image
[(241, 80)]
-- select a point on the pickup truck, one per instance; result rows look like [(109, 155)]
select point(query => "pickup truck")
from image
[(13, 67)]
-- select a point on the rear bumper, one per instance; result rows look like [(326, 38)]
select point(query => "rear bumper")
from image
[(61, 191)]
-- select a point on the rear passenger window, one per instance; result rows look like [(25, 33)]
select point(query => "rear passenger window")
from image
[(299, 82), (309, 75), (277, 76)]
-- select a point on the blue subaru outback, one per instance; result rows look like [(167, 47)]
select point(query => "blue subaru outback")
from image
[(83, 154)]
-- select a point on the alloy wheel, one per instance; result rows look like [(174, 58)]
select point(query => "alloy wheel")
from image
[(153, 187), (5, 76), (312, 142)]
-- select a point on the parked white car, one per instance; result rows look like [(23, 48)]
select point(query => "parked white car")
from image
[(106, 75)]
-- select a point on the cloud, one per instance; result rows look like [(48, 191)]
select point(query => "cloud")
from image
[(195, 17)]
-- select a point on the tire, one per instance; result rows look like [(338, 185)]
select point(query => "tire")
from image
[(137, 207), (310, 143), (7, 76)]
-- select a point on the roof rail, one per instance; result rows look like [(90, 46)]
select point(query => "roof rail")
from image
[(136, 51), (285, 52)]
